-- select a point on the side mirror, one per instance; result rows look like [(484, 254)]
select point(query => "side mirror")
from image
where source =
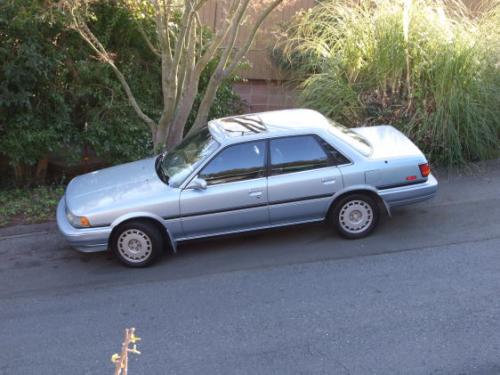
[(197, 184)]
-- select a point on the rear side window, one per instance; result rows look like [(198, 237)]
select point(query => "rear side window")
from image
[(294, 154), (236, 163), (336, 157)]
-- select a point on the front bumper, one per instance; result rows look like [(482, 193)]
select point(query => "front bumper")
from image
[(87, 240), (403, 195)]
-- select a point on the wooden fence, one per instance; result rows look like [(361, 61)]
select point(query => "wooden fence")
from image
[(213, 13)]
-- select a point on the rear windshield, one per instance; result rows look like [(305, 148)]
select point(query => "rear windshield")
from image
[(353, 139)]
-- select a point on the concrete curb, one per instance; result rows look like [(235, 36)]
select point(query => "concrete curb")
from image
[(26, 230)]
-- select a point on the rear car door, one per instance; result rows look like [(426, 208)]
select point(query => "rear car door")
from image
[(303, 178), (236, 195)]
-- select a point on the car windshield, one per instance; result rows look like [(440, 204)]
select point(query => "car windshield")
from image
[(175, 166), (350, 137)]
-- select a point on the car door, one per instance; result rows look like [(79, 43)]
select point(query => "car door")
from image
[(235, 198), (303, 178)]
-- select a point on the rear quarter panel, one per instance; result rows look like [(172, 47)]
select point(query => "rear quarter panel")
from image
[(393, 172)]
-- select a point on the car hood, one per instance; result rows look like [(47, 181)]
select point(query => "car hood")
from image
[(118, 187), (388, 142)]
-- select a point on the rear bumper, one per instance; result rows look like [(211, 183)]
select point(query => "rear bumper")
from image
[(87, 240), (401, 196)]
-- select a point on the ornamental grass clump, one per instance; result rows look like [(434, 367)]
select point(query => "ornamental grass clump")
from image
[(430, 69)]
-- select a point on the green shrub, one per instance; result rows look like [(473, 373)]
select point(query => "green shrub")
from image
[(33, 110), (433, 72), (25, 206)]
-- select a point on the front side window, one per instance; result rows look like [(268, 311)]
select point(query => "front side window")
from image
[(236, 163), (294, 154), (175, 166)]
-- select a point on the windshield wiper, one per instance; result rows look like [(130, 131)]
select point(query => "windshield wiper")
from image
[(159, 170)]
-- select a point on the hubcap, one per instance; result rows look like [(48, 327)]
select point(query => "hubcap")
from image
[(355, 216), (134, 245)]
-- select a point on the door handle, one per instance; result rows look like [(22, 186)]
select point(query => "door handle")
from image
[(256, 194), (328, 180)]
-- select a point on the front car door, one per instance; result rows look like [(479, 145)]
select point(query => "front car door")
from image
[(236, 195), (303, 178)]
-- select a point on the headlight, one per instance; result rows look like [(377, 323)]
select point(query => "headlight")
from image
[(77, 221)]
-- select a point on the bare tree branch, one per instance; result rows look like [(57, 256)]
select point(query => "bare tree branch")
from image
[(222, 72), (200, 27), (172, 71), (147, 40), (218, 39), (187, 63), (188, 95), (251, 36), (97, 46)]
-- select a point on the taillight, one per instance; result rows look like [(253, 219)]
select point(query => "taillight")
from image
[(425, 169)]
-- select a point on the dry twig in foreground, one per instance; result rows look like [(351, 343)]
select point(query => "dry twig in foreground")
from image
[(121, 360)]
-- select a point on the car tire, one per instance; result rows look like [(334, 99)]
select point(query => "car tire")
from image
[(355, 216), (137, 243)]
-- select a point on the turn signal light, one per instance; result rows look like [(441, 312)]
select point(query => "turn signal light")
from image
[(425, 169), (84, 222)]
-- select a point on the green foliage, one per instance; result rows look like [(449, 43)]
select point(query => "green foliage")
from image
[(33, 114), (106, 121), (439, 82), (56, 96), (29, 205)]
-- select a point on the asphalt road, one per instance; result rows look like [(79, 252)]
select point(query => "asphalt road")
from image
[(420, 296)]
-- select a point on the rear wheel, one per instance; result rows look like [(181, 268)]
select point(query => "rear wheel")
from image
[(355, 216), (137, 244)]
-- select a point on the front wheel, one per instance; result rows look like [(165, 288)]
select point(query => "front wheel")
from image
[(355, 216), (137, 244)]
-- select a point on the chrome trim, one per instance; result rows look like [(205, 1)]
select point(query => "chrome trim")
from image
[(320, 196), (385, 187)]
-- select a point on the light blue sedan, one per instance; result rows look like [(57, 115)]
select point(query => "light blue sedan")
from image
[(246, 173)]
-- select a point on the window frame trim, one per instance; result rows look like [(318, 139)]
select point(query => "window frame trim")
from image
[(268, 166)]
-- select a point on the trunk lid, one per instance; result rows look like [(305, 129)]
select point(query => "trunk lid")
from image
[(388, 142)]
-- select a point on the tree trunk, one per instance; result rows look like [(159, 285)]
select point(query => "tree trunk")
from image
[(160, 135), (19, 174), (23, 174), (41, 170), (176, 132), (206, 103)]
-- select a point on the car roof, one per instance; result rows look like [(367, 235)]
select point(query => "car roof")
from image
[(267, 124)]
